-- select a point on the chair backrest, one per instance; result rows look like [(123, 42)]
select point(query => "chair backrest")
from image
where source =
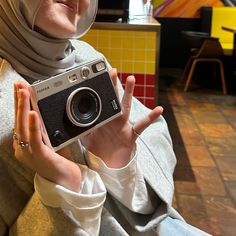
[(211, 48), (193, 39)]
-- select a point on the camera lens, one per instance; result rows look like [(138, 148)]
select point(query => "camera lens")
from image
[(83, 107)]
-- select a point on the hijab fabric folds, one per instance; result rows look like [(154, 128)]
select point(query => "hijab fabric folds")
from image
[(29, 52)]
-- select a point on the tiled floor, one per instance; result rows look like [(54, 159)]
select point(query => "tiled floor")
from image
[(202, 124)]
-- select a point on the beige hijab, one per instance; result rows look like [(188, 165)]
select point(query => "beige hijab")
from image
[(29, 52)]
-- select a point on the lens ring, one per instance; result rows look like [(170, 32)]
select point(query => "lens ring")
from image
[(83, 107)]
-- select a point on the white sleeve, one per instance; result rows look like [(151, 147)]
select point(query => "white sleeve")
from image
[(85, 205), (126, 184)]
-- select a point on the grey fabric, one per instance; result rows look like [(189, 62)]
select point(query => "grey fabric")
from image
[(16, 182), (24, 214)]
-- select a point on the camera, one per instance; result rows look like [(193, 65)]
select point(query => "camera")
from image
[(75, 102)]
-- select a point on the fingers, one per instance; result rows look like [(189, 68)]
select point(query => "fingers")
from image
[(15, 103), (127, 97), (142, 124), (23, 109), (35, 135), (113, 75), (17, 87)]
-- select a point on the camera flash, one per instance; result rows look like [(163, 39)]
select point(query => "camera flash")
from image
[(100, 66)]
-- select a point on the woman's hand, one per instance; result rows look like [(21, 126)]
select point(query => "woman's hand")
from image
[(30, 149), (114, 141)]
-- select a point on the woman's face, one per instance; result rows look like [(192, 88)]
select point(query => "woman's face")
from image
[(59, 18)]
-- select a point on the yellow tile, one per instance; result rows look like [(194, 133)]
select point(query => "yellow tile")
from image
[(128, 43), (103, 42), (102, 33), (105, 51), (116, 54), (116, 42), (139, 67), (139, 34), (128, 34), (115, 64), (128, 54), (150, 56), (115, 33), (91, 41), (139, 43), (139, 55), (151, 44), (151, 35), (150, 68), (127, 67)]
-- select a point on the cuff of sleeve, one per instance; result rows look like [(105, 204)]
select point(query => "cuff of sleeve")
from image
[(86, 205), (97, 164)]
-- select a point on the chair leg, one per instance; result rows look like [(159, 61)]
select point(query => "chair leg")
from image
[(190, 75), (187, 68), (222, 76)]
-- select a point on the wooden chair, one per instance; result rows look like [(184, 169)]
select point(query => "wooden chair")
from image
[(209, 52)]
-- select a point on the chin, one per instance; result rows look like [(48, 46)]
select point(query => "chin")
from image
[(67, 32), (63, 33)]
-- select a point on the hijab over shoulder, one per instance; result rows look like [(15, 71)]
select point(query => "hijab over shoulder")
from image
[(29, 52)]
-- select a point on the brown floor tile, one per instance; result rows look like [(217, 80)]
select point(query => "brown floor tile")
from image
[(193, 155), (222, 216), (193, 209), (225, 147), (211, 117), (233, 123), (206, 181), (222, 101), (181, 156), (229, 112), (199, 156), (217, 130), (231, 187), (230, 115), (176, 98), (227, 167), (196, 105), (184, 119), (203, 128), (191, 136)]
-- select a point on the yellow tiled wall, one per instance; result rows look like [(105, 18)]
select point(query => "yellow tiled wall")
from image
[(131, 52), (128, 51)]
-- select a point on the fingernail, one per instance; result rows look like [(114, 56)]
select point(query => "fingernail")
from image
[(19, 93), (161, 108)]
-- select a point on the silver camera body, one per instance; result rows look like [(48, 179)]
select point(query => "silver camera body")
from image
[(74, 103)]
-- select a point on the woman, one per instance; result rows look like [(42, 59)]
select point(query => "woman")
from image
[(116, 180)]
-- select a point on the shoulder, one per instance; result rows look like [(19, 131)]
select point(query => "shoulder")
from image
[(84, 51)]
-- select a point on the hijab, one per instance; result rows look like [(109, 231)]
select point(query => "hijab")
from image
[(31, 53)]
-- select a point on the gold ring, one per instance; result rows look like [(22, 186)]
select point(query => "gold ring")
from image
[(15, 137), (23, 144)]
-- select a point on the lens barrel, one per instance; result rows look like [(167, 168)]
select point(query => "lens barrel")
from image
[(83, 107)]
